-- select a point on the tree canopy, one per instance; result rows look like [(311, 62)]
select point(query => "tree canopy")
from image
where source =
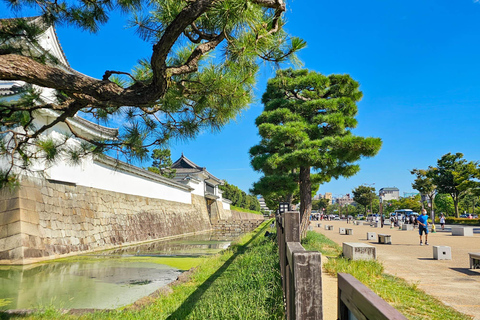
[(305, 134), (162, 163), (424, 184), (455, 176), (364, 195), (178, 91)]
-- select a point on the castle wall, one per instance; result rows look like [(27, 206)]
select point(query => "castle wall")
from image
[(44, 220)]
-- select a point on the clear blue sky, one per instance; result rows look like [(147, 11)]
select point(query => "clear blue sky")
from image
[(418, 63)]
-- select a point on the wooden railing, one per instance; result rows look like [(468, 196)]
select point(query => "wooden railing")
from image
[(301, 271), (302, 281), (356, 301)]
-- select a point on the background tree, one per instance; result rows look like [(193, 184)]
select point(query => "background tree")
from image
[(178, 91), (424, 184), (320, 204), (364, 196), (162, 163), (455, 176), (239, 198), (306, 125), (444, 204)]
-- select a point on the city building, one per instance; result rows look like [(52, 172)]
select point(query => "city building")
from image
[(389, 193), (344, 200)]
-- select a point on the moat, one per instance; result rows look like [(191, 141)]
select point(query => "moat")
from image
[(107, 279)]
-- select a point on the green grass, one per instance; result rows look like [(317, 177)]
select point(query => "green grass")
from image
[(318, 242), (243, 282), (406, 298), (234, 208)]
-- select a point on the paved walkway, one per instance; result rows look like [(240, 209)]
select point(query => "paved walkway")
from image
[(450, 281)]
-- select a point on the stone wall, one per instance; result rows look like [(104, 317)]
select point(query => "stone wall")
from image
[(239, 222), (43, 220)]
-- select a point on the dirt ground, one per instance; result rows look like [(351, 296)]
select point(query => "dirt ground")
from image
[(450, 281)]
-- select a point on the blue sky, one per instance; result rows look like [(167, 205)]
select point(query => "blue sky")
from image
[(418, 63)]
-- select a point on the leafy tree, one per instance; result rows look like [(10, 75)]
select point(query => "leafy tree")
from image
[(162, 163), (455, 176), (239, 198), (305, 127), (364, 196), (180, 90), (444, 204), (424, 184), (320, 204)]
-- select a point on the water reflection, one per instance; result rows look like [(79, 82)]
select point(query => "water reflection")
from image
[(195, 245), (102, 280)]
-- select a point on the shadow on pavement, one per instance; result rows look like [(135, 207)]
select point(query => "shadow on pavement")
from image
[(466, 271)]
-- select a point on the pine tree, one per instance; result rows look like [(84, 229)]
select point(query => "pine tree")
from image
[(179, 91), (306, 138)]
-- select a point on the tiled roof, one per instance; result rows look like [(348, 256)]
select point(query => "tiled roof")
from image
[(184, 166)]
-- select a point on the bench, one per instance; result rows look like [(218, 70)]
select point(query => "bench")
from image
[(359, 251), (462, 231), (385, 238), (328, 227), (359, 223), (342, 231), (371, 235), (408, 227), (474, 260), (442, 253), (349, 231), (319, 225)]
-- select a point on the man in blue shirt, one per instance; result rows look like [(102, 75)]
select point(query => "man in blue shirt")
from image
[(423, 226)]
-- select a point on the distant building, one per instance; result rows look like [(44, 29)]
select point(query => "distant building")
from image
[(389, 193), (409, 194), (344, 200), (328, 195)]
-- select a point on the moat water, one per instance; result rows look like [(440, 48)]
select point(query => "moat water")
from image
[(104, 280)]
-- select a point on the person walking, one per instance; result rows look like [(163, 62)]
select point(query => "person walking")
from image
[(442, 221), (423, 226)]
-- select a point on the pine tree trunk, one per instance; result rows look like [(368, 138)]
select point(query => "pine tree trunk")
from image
[(305, 199)]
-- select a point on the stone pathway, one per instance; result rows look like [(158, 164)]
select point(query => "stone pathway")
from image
[(450, 281)]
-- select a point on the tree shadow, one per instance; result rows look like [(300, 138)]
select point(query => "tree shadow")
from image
[(189, 304), (466, 271)]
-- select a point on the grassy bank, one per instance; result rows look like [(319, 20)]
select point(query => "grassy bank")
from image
[(405, 297), (245, 210), (243, 282)]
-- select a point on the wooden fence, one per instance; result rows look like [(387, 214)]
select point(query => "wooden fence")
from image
[(356, 301), (302, 281), (301, 271)]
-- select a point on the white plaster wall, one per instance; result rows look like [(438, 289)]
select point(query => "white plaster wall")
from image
[(198, 187), (101, 176), (226, 205)]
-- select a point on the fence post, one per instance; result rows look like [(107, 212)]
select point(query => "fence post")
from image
[(292, 226), (307, 271)]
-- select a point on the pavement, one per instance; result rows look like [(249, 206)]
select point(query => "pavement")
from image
[(450, 281)]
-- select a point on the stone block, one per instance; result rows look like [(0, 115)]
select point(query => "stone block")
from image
[(319, 225), (408, 227), (359, 223), (310, 228), (13, 242), (14, 228), (385, 239), (474, 260), (371, 235), (462, 231), (30, 216), (30, 229), (3, 231), (349, 231), (342, 231), (8, 217), (12, 204), (442, 253), (359, 251)]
